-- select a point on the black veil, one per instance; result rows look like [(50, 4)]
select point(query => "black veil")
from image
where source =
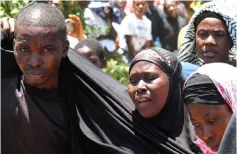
[(99, 111)]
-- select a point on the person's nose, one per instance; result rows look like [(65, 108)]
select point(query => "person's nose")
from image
[(206, 133), (35, 60), (140, 6), (141, 86), (210, 40)]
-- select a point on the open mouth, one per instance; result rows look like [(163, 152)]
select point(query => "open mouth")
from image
[(143, 102)]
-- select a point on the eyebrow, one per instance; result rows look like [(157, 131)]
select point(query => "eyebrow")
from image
[(208, 113)]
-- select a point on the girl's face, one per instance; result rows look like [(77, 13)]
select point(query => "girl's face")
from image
[(148, 88), (210, 122)]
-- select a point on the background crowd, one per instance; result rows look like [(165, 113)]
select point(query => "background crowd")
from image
[(178, 59), (102, 20)]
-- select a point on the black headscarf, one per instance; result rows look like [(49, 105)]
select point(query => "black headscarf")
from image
[(207, 14), (173, 120), (200, 89), (99, 114)]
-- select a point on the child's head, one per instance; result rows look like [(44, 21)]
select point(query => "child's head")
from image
[(93, 50), (139, 7)]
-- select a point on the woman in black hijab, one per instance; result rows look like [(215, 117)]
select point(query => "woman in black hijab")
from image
[(156, 82)]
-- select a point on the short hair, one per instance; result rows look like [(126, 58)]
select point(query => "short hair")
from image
[(42, 15), (94, 45)]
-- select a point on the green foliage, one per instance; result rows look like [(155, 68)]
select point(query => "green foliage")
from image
[(12, 8), (118, 71)]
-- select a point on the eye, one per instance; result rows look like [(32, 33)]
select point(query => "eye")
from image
[(48, 49), (149, 79), (220, 34), (23, 50), (211, 122), (196, 125), (133, 82)]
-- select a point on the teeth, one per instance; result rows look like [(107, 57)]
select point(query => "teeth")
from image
[(143, 100)]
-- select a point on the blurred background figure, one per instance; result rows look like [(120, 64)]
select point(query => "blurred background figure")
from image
[(135, 31), (75, 27), (93, 50), (176, 21), (75, 30)]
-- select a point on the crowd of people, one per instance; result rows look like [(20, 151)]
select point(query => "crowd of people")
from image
[(183, 81)]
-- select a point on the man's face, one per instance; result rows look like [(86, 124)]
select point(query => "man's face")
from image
[(38, 52), (84, 4), (213, 41), (170, 8), (121, 4), (139, 8)]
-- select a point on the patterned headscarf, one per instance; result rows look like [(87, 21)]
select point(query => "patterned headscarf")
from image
[(224, 76), (228, 12)]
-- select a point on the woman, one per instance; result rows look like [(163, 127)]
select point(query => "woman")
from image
[(156, 82), (211, 35), (210, 95)]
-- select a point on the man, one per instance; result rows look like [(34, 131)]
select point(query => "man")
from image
[(176, 22), (136, 31), (58, 103), (159, 24)]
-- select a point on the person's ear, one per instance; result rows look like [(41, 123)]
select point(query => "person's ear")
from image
[(65, 48)]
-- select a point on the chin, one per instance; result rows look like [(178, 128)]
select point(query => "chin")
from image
[(34, 82)]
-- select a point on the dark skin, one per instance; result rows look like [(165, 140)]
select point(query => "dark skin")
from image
[(91, 55), (213, 41), (210, 122), (139, 7), (148, 88), (170, 8), (38, 52)]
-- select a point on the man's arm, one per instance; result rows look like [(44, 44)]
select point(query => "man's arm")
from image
[(131, 50)]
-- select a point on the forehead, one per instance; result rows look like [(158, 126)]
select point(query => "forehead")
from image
[(211, 23), (27, 32), (204, 110), (144, 66), (139, 2), (86, 51)]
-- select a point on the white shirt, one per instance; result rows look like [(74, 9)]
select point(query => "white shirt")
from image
[(140, 29)]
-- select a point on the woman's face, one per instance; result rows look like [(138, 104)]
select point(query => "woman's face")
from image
[(213, 41), (148, 88), (210, 122)]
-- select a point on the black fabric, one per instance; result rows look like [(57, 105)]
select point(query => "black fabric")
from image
[(100, 118), (173, 120), (207, 14), (228, 142), (32, 120), (200, 89)]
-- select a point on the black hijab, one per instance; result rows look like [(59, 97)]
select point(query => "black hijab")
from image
[(173, 120), (200, 89), (99, 113)]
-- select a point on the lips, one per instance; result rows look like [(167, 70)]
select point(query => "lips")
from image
[(209, 53), (143, 100), (34, 74)]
